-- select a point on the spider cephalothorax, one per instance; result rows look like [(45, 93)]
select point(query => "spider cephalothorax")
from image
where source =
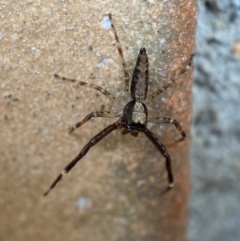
[(134, 118)]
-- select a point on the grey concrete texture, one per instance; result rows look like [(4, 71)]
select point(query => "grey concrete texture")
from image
[(215, 197)]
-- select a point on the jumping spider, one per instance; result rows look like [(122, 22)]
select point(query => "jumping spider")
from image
[(134, 118)]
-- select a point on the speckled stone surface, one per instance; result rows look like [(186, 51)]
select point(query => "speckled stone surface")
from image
[(215, 198), (115, 192)]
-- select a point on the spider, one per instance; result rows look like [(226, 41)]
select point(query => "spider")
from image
[(134, 118)]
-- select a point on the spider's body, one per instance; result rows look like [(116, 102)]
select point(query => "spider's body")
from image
[(134, 118), (135, 113)]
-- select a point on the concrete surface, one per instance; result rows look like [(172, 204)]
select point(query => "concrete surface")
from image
[(114, 193), (215, 197)]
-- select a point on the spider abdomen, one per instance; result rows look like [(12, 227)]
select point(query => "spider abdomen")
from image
[(139, 83)]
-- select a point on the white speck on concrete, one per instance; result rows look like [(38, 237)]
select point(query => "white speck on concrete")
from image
[(106, 23), (84, 203), (102, 63)]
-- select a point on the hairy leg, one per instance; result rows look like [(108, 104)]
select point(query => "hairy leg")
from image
[(83, 152)]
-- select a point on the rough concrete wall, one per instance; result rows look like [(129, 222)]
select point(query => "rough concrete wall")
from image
[(115, 192), (215, 199)]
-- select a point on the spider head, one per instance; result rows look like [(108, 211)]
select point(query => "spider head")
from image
[(135, 115)]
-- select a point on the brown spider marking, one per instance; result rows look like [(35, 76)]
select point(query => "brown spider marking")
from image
[(134, 118)]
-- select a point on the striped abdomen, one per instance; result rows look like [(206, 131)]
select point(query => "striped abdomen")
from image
[(139, 84)]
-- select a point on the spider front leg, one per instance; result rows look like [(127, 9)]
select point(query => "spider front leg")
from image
[(164, 152), (83, 152), (169, 121), (93, 114)]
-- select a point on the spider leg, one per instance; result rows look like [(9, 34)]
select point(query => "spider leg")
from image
[(170, 121), (96, 87), (172, 80), (126, 74), (83, 152), (164, 152), (93, 114)]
